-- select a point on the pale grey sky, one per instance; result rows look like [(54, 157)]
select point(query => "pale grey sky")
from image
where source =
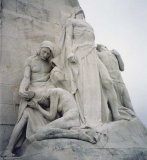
[(122, 25)]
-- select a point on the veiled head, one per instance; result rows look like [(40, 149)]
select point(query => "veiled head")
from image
[(46, 50)]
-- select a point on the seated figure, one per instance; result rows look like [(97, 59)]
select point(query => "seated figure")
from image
[(34, 85), (34, 119)]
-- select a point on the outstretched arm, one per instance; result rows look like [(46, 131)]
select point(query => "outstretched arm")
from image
[(119, 59)]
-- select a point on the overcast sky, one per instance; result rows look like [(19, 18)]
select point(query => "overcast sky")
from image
[(122, 25)]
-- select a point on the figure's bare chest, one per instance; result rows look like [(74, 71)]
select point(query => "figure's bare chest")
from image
[(39, 66)]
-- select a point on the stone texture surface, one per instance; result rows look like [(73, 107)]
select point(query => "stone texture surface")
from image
[(8, 114), (24, 24), (123, 141), (5, 132)]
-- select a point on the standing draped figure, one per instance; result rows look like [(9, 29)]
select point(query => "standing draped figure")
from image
[(85, 75)]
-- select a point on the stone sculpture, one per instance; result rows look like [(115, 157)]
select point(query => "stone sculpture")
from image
[(74, 101), (86, 73), (34, 85), (37, 88), (114, 64)]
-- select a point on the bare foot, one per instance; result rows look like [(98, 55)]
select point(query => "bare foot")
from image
[(7, 153), (92, 139), (92, 136)]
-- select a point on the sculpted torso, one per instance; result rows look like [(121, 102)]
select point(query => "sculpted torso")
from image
[(39, 69)]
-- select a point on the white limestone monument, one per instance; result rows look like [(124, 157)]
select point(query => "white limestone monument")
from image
[(62, 95)]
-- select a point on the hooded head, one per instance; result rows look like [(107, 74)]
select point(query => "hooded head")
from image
[(47, 44), (46, 50)]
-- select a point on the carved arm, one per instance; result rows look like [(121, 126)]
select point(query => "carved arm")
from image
[(51, 115), (119, 59)]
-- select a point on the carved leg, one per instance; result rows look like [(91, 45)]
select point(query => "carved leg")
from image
[(85, 135), (110, 93), (126, 99), (14, 137)]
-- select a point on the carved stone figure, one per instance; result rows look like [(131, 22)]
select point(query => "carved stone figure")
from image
[(34, 85), (87, 75), (114, 64), (69, 97), (59, 101), (44, 107)]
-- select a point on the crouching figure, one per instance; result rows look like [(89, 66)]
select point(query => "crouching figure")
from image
[(61, 102)]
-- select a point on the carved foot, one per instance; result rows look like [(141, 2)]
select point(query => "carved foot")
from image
[(7, 153), (92, 136), (92, 140)]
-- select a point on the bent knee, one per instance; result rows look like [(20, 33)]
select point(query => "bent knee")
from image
[(26, 112)]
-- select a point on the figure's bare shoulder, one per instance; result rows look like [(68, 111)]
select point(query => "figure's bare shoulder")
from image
[(29, 60)]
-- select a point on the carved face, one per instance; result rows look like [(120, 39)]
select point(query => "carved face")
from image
[(45, 53)]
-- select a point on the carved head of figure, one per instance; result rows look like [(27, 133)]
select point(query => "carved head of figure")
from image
[(101, 48), (44, 102), (46, 50), (78, 13)]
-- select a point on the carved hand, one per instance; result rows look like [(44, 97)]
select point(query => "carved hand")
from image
[(33, 104), (27, 95)]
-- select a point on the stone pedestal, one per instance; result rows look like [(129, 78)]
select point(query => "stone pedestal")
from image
[(121, 140)]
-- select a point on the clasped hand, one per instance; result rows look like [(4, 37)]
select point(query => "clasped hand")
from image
[(33, 104)]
